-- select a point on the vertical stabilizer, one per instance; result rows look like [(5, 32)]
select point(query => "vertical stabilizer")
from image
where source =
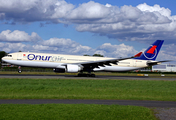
[(152, 52)]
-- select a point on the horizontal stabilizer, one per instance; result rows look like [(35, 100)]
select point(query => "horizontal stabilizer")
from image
[(157, 62)]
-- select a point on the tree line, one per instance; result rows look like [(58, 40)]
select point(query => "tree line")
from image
[(95, 55), (2, 54)]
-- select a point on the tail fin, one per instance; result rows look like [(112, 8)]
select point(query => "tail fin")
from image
[(152, 52)]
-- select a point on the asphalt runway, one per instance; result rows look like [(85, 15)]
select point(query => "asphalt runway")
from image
[(76, 77), (105, 102)]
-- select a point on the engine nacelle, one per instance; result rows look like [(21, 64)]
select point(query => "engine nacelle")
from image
[(71, 68), (58, 70)]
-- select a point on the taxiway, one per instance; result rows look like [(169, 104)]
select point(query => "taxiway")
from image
[(76, 77)]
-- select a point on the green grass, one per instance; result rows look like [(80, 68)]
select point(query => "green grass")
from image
[(87, 89), (74, 112)]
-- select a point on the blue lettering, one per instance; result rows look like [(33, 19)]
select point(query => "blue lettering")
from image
[(37, 57), (31, 57), (49, 57), (44, 58)]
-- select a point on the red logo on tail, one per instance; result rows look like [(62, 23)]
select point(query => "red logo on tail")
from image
[(152, 49)]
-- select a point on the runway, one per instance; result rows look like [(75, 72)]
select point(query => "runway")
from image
[(105, 102), (76, 77)]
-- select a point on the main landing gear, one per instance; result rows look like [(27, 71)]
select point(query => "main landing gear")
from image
[(86, 75)]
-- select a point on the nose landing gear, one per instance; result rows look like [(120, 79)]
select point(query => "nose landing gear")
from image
[(19, 69)]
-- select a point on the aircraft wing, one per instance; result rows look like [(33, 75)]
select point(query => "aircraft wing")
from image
[(95, 64), (150, 63)]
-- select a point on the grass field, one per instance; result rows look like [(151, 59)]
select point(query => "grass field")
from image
[(74, 112), (82, 89), (87, 89)]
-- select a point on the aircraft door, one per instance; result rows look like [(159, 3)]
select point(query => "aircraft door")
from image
[(19, 56), (134, 63)]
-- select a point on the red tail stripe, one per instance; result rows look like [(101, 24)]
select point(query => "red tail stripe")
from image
[(151, 50)]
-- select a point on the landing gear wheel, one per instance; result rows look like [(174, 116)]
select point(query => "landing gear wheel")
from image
[(92, 75), (19, 71), (86, 75), (82, 75)]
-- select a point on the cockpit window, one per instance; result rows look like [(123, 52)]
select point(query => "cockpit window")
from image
[(9, 55)]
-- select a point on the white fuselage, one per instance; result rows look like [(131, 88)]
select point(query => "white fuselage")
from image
[(56, 61)]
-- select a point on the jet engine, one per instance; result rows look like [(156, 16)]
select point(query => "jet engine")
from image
[(71, 68)]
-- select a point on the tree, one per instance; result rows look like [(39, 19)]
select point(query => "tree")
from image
[(98, 55), (95, 55), (86, 55), (2, 54)]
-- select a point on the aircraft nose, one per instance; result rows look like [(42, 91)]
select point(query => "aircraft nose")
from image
[(3, 58)]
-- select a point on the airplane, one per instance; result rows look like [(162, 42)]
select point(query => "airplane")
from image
[(74, 64)]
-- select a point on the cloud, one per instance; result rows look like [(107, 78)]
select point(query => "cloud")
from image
[(43, 48), (163, 55), (135, 23), (170, 49), (58, 42), (121, 50), (156, 8), (90, 11), (127, 22), (130, 23), (34, 10), (61, 9), (66, 46), (35, 43), (9, 47), (11, 42), (2, 15), (17, 36)]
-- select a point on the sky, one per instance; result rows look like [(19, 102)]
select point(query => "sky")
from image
[(113, 28)]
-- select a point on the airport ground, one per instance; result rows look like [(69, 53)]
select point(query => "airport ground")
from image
[(156, 92)]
